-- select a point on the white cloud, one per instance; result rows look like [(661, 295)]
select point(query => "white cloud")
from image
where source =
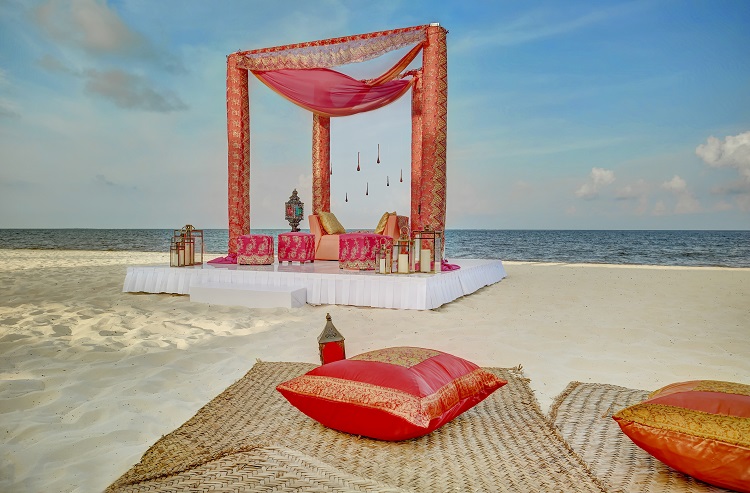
[(131, 91), (733, 152), (676, 184), (598, 178), (686, 202), (89, 25)]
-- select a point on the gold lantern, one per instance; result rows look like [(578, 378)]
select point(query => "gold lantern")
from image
[(428, 246), (186, 247), (384, 260), (404, 256), (331, 343)]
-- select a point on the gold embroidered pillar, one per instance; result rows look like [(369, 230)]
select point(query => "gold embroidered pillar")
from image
[(238, 134), (321, 165), (416, 151), (434, 129)]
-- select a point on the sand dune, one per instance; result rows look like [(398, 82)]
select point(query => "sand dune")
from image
[(90, 377)]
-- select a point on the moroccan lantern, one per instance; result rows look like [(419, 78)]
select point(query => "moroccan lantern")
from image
[(295, 209), (330, 343)]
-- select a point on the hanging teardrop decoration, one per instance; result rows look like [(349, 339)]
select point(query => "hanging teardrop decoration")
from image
[(402, 176), (330, 168), (346, 197), (367, 190), (358, 161), (378, 161), (387, 181)]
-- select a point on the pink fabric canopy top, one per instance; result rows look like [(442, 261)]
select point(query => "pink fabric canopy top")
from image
[(330, 93)]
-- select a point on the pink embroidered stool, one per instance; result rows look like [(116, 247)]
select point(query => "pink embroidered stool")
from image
[(357, 250), (297, 247), (255, 250)]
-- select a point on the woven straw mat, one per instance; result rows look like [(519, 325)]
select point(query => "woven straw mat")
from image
[(250, 438), (583, 414)]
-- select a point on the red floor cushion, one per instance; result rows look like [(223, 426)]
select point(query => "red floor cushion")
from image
[(390, 394), (701, 428)]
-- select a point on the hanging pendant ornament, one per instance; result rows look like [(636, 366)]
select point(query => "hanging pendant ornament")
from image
[(367, 190), (378, 161), (402, 176), (346, 197), (387, 181), (330, 168), (358, 161)]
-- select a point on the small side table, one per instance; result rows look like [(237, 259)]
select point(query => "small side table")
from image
[(296, 247), (255, 250)]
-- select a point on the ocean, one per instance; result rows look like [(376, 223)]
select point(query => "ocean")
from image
[(685, 248)]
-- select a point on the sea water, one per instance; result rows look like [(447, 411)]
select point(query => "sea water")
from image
[(686, 248)]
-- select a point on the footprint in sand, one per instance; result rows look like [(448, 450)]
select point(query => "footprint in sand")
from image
[(62, 330)]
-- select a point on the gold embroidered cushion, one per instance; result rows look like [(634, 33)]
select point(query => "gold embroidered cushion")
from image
[(390, 394), (330, 224), (383, 221), (701, 428)]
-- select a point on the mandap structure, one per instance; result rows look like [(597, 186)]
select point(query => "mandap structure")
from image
[(302, 74)]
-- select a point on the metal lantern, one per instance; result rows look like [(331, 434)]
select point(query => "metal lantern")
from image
[(428, 245), (404, 253), (186, 247), (331, 343), (295, 210), (384, 260)]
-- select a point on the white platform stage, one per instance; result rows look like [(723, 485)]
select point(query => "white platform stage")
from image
[(324, 282)]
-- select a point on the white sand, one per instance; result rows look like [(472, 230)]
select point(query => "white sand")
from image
[(90, 377)]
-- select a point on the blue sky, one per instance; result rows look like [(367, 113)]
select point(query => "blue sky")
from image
[(569, 115)]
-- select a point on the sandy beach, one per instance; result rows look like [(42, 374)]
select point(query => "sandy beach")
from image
[(90, 377)]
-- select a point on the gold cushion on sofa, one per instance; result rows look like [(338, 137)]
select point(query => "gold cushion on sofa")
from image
[(330, 223), (383, 221)]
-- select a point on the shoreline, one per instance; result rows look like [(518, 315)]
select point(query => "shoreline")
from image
[(92, 376)]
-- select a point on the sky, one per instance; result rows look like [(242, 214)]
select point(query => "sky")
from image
[(561, 115)]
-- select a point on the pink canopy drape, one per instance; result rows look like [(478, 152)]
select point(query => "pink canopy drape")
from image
[(329, 93)]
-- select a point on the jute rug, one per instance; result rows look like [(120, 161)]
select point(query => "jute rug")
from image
[(583, 414), (250, 438)]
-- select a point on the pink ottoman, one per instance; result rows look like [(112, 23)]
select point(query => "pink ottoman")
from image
[(357, 250), (297, 247), (255, 250)]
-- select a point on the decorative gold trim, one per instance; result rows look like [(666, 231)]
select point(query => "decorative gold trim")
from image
[(729, 429)]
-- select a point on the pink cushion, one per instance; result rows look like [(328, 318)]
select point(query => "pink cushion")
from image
[(296, 247), (391, 394), (255, 250), (358, 250)]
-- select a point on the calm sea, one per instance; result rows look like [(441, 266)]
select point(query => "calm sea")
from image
[(688, 248)]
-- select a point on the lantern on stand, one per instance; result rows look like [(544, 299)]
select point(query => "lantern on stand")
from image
[(428, 245), (384, 260), (331, 343), (295, 209), (186, 247), (404, 253)]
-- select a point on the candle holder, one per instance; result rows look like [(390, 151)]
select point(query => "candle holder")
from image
[(186, 247), (295, 210), (404, 246), (384, 260), (429, 246)]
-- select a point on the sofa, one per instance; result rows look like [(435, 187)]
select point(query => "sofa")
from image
[(327, 244)]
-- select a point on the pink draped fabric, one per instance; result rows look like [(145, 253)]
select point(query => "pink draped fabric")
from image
[(330, 93)]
